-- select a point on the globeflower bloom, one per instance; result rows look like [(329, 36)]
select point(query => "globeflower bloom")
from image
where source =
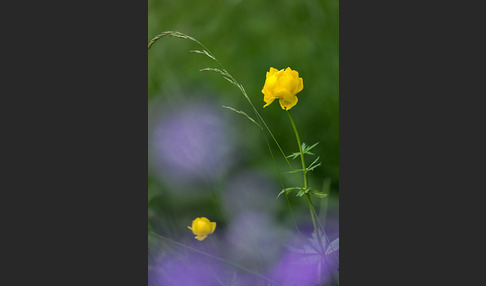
[(202, 227), (284, 85)]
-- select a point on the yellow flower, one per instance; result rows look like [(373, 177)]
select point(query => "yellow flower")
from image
[(202, 227), (284, 85)]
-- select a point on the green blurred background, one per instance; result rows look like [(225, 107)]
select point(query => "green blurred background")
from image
[(248, 37)]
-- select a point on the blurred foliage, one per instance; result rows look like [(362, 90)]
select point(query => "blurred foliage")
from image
[(249, 37)]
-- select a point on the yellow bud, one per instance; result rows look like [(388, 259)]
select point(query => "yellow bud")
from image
[(202, 227), (282, 85)]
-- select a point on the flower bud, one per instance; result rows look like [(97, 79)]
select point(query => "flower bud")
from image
[(202, 227)]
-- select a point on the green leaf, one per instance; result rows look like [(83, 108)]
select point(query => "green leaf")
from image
[(318, 194), (306, 149), (294, 155), (312, 146), (313, 166), (304, 146), (288, 190), (295, 171)]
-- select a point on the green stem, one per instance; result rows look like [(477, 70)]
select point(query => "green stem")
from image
[(307, 196), (300, 149)]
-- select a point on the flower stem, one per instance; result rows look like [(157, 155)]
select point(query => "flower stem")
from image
[(300, 149), (304, 168)]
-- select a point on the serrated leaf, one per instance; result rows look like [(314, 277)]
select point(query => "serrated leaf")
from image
[(313, 166), (334, 246), (309, 148), (305, 150), (294, 155), (315, 161), (304, 146)]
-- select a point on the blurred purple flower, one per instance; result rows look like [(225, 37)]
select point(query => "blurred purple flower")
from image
[(190, 143), (254, 240), (306, 263), (187, 270), (190, 268)]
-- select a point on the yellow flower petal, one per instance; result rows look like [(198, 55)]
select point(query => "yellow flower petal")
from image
[(270, 85), (271, 72), (287, 81), (269, 99), (282, 84), (295, 74), (269, 102), (288, 101)]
